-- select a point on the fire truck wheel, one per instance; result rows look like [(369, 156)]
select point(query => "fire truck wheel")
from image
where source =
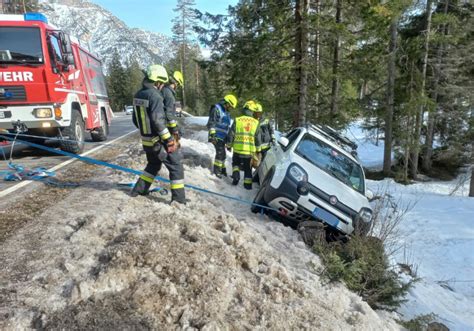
[(74, 134), (101, 133)]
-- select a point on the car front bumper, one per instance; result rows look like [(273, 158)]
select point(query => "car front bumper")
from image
[(305, 207)]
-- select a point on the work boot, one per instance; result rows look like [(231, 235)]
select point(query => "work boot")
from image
[(141, 188), (224, 172), (235, 177), (248, 183)]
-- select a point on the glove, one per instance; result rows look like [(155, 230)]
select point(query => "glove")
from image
[(177, 137), (212, 139), (170, 146)]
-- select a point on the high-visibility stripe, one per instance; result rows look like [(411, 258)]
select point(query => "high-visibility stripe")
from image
[(218, 164), (146, 178), (246, 134), (243, 143), (143, 118), (172, 124), (149, 141), (212, 131), (235, 169), (152, 139), (248, 181), (165, 134), (177, 184)]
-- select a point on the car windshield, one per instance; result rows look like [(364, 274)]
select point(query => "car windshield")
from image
[(331, 161), (20, 45)]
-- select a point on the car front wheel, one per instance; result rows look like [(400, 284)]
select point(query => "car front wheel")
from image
[(259, 200)]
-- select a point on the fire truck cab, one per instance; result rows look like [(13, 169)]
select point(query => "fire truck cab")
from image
[(49, 85)]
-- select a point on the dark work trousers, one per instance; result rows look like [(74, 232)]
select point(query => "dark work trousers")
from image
[(157, 156), (242, 162), (219, 162)]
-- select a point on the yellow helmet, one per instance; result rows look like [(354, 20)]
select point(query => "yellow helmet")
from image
[(178, 77), (231, 100), (251, 105), (259, 108), (157, 73)]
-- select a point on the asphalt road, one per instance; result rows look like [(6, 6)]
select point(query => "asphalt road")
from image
[(32, 158)]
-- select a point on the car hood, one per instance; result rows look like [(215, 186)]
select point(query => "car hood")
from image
[(332, 186)]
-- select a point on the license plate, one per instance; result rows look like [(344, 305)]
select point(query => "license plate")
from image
[(2, 114), (325, 216)]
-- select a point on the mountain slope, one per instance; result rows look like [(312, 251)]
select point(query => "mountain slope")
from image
[(103, 33)]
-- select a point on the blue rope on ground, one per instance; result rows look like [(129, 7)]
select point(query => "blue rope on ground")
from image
[(161, 190), (138, 173)]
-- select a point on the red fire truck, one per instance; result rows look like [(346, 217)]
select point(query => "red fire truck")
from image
[(49, 85)]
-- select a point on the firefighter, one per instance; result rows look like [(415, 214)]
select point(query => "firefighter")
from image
[(218, 126), (267, 135), (244, 139), (169, 96), (159, 145)]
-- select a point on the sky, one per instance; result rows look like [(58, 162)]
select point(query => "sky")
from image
[(156, 15)]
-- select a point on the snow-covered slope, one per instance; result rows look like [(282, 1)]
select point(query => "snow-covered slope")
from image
[(437, 238), (103, 33), (142, 263)]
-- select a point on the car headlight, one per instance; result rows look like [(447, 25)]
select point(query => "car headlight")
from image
[(365, 215), (297, 173), (43, 112)]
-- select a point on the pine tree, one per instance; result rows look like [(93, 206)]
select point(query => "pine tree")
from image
[(182, 33), (118, 84)]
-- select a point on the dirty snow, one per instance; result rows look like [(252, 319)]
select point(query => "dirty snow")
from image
[(100, 259)]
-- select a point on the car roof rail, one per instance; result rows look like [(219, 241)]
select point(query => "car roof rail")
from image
[(331, 134)]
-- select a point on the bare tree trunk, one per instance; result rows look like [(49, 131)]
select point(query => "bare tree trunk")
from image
[(301, 58), (336, 63), (471, 187), (432, 115), (387, 155), (317, 55), (183, 58), (419, 117)]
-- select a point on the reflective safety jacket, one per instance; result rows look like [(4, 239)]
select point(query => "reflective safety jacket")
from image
[(149, 115), (267, 135), (244, 136), (169, 96), (219, 121)]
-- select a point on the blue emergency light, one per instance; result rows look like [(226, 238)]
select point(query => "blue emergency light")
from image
[(35, 17)]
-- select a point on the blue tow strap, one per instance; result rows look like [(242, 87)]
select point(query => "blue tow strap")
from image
[(136, 172), (19, 172)]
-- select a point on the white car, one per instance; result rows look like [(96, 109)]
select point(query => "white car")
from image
[(313, 174), (129, 110)]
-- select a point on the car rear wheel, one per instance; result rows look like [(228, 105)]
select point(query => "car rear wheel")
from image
[(74, 134)]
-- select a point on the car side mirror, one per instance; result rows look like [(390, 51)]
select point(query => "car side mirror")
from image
[(369, 194), (283, 141)]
